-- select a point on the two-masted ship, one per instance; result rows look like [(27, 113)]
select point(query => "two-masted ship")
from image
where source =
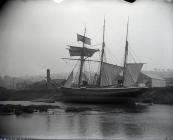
[(109, 84)]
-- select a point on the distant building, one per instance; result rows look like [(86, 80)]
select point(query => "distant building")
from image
[(57, 82), (53, 84), (151, 79), (21, 85)]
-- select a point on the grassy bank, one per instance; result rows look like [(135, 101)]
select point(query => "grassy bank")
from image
[(160, 95), (30, 94)]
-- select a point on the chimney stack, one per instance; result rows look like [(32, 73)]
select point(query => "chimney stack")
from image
[(48, 77)]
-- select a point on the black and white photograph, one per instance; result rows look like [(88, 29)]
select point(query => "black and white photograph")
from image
[(86, 69)]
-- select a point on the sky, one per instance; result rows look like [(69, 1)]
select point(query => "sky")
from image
[(34, 34)]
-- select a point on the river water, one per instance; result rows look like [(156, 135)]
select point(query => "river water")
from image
[(104, 121)]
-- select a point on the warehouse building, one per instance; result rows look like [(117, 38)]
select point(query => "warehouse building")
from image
[(151, 79)]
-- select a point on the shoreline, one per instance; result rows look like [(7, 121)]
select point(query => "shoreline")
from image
[(10, 109)]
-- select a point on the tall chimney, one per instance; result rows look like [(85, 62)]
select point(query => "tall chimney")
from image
[(48, 76)]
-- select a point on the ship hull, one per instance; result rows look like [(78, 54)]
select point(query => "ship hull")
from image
[(101, 95)]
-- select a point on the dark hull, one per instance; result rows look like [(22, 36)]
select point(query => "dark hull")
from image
[(101, 95)]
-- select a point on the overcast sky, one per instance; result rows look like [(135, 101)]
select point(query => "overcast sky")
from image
[(34, 34)]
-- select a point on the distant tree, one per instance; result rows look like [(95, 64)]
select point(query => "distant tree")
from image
[(1, 81)]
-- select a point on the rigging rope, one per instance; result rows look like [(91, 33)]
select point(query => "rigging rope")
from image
[(113, 58), (96, 44), (133, 53), (132, 56)]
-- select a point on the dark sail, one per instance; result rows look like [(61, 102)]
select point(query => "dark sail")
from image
[(77, 51)]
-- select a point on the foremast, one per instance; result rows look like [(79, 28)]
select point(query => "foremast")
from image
[(81, 60), (102, 55), (125, 54), (83, 52)]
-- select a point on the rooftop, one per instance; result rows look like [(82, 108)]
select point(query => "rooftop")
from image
[(152, 75)]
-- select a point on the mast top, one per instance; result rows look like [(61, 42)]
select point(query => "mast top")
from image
[(127, 28), (102, 54), (104, 30), (126, 53)]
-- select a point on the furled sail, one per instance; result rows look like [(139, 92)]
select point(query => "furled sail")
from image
[(109, 74), (131, 74), (77, 51), (83, 39)]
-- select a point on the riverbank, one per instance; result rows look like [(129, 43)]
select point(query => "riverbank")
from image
[(160, 95), (20, 109), (37, 95)]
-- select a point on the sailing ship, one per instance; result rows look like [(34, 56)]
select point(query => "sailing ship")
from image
[(109, 84)]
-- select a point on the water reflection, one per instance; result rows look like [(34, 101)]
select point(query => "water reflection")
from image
[(120, 122), (104, 121), (48, 121)]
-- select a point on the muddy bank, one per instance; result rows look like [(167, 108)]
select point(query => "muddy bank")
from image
[(10, 109), (19, 109)]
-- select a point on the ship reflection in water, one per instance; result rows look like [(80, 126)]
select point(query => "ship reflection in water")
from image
[(104, 121)]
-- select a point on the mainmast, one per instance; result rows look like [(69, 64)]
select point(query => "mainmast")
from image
[(82, 60), (102, 54), (126, 53)]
